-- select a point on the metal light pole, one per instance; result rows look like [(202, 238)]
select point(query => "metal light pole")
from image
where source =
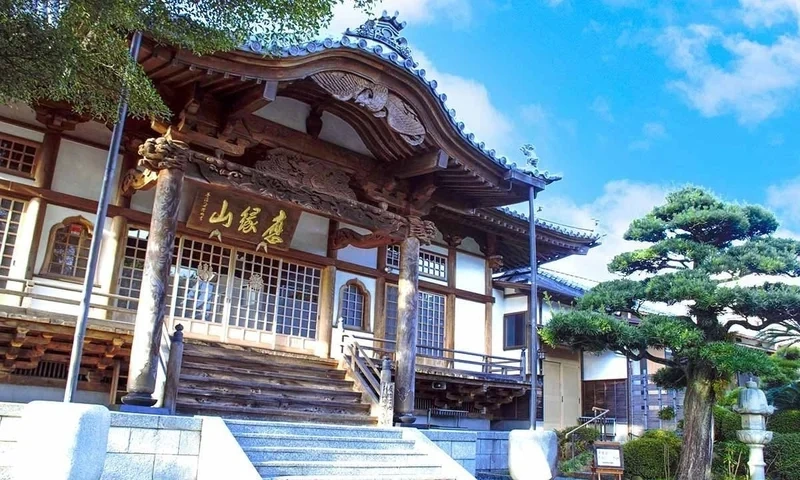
[(94, 251), (533, 308)]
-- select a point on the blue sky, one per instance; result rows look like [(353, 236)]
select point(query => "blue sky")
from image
[(625, 98)]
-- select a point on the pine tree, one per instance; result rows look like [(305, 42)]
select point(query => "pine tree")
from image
[(700, 247)]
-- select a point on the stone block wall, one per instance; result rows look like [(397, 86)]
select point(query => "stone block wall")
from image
[(152, 447), (492, 451), (460, 445), (9, 421)]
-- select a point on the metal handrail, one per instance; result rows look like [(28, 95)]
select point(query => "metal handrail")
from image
[(593, 419)]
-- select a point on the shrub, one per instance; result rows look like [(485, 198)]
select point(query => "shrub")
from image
[(579, 463), (578, 442), (730, 459), (726, 423), (653, 455), (666, 413), (785, 421), (782, 456)]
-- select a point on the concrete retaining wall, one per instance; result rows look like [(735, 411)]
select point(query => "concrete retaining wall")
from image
[(492, 451), (460, 445)]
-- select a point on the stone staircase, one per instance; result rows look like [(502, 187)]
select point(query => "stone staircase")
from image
[(248, 383), (283, 451)]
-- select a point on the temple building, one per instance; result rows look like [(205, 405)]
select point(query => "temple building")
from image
[(302, 216)]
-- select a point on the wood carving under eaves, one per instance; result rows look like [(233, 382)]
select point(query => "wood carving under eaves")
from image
[(377, 99), (322, 192)]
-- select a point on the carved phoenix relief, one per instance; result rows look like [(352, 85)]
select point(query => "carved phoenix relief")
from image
[(377, 99)]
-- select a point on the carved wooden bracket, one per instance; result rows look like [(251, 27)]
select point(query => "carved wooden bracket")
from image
[(495, 262), (423, 230), (135, 180), (164, 153), (344, 237)]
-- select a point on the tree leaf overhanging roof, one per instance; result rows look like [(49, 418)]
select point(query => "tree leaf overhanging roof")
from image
[(381, 38)]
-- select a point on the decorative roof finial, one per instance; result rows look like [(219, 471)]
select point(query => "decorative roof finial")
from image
[(386, 30), (531, 156)]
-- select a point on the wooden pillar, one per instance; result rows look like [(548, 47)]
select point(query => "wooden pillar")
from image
[(327, 309), (168, 158), (379, 326), (453, 241), (407, 316), (492, 262)]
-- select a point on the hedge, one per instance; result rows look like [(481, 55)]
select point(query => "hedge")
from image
[(785, 421), (782, 456), (645, 457), (726, 422)]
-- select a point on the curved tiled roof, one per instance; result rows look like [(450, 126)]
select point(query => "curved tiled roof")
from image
[(381, 38), (547, 280), (553, 226)]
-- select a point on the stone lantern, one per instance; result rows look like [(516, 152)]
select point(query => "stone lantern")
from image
[(754, 410)]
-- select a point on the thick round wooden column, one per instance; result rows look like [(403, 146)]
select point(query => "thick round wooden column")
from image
[(169, 159), (406, 352)]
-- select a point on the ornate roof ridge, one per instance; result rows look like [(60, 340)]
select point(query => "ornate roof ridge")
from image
[(381, 38), (577, 288), (555, 226)]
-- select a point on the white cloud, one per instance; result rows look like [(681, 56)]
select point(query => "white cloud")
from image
[(622, 201), (767, 13), (602, 108), (651, 131), (756, 83), (553, 3), (784, 198), (547, 132), (473, 106), (594, 27), (415, 12)]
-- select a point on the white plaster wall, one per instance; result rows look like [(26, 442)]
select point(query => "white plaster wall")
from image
[(470, 273), (370, 284), (22, 133), (338, 132), (516, 304), (498, 310), (286, 111), (605, 366), (469, 332), (142, 201), (367, 257), (470, 245), (79, 170), (311, 235)]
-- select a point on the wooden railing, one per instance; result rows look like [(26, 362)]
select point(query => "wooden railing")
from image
[(26, 294), (374, 377), (452, 359)]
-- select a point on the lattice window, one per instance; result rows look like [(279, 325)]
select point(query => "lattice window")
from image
[(430, 327), (68, 251), (10, 217), (609, 394), (199, 280), (431, 264), (514, 334), (17, 155), (354, 305), (298, 301), (255, 291), (130, 275)]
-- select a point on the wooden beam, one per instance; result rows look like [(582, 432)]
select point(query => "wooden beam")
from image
[(253, 99), (421, 165)]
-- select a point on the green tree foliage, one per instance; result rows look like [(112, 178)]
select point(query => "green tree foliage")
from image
[(782, 456), (785, 421), (653, 456), (787, 368), (698, 247), (76, 51)]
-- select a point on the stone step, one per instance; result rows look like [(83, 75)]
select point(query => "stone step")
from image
[(320, 404), (319, 469), (261, 440), (312, 430), (225, 385), (219, 350), (334, 381), (275, 414), (332, 454), (365, 477)]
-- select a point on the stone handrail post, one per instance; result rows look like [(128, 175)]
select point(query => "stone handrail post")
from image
[(386, 402), (174, 369)]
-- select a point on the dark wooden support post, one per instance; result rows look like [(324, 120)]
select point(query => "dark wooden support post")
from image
[(174, 369), (408, 289), (168, 158)]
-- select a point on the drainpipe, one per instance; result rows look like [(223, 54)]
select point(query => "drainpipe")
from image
[(533, 308)]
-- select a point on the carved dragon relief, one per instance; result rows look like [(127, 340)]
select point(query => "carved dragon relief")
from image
[(377, 99)]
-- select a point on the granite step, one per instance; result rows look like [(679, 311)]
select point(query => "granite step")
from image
[(332, 454), (366, 477), (270, 414), (253, 441), (271, 469), (238, 427)]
